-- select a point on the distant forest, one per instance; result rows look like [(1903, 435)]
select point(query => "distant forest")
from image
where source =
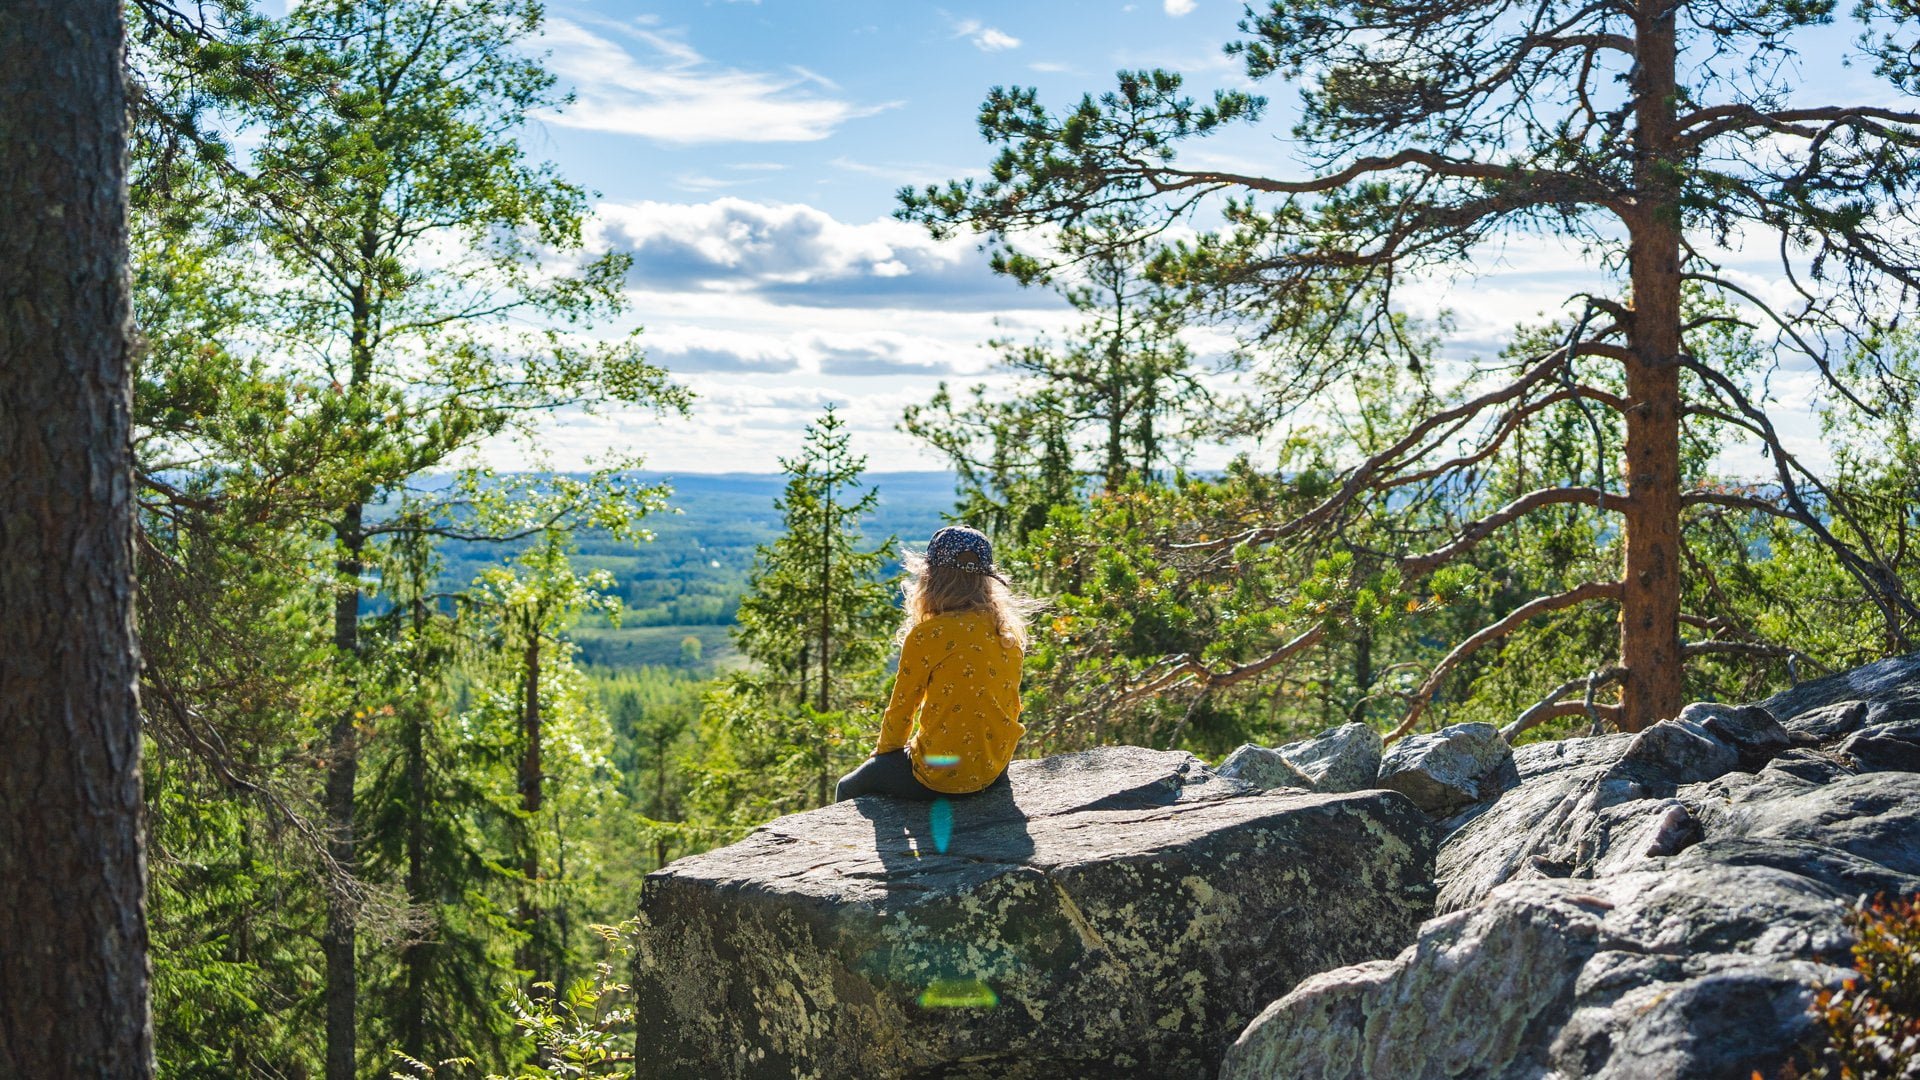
[(688, 580)]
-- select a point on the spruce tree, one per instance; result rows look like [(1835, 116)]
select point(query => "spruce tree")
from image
[(816, 615), (816, 606)]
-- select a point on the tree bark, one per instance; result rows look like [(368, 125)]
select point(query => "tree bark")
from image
[(338, 942), (73, 934), (532, 955), (826, 591), (416, 958), (1650, 596), (532, 776)]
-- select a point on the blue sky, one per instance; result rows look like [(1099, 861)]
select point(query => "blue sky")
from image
[(748, 153)]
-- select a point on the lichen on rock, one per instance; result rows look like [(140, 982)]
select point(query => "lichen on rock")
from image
[(1120, 912)]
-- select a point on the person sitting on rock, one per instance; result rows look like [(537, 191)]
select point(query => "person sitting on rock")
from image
[(961, 645)]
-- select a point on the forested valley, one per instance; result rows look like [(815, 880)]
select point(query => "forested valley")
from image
[(415, 728)]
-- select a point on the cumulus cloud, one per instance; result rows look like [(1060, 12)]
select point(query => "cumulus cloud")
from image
[(789, 253), (1177, 8), (886, 357), (671, 93)]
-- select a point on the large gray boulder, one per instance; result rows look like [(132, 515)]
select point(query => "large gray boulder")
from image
[(1120, 912), (1346, 758), (1446, 770), (1264, 769), (1619, 913)]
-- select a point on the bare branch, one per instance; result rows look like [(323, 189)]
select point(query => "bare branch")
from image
[(1185, 668), (1476, 531), (1554, 705), (1592, 590), (1362, 475)]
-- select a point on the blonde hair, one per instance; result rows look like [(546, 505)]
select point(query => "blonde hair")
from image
[(940, 590)]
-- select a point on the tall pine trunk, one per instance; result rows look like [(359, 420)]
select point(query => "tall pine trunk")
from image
[(826, 595), (73, 933), (532, 780), (339, 940), (1650, 600), (416, 957)]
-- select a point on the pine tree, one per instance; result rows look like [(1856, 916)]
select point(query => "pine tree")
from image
[(1120, 398), (531, 603), (1645, 133), (73, 934)]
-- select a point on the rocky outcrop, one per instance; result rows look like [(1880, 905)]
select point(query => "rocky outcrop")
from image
[(1447, 769), (1660, 904), (1264, 769), (1346, 758), (1120, 912)]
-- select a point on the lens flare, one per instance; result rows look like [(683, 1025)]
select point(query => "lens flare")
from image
[(942, 761), (940, 816), (958, 994)]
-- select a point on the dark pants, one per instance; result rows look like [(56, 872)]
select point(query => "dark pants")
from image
[(890, 773)]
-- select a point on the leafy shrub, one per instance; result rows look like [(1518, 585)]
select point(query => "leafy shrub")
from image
[(1872, 1022), (585, 1031)]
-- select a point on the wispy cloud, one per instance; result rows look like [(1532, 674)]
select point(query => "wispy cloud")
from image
[(985, 38), (660, 87), (1050, 67), (910, 174), (1177, 8), (700, 182)]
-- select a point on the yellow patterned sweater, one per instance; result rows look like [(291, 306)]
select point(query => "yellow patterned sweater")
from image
[(964, 681)]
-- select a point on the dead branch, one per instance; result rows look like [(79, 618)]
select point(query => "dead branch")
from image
[(1186, 668), (1545, 711), (1362, 475), (1740, 648), (1880, 583), (1592, 590), (1476, 531)]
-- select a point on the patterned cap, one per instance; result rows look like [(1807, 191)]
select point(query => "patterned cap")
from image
[(951, 543)]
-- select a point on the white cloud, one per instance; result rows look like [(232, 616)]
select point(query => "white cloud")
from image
[(1177, 8), (677, 95), (985, 38), (794, 254)]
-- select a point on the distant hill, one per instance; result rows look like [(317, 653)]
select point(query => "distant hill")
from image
[(688, 581)]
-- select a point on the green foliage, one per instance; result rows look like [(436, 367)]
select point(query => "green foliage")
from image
[(583, 1031), (816, 611), (815, 620)]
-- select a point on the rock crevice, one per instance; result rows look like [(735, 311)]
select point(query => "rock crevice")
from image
[(1660, 904)]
